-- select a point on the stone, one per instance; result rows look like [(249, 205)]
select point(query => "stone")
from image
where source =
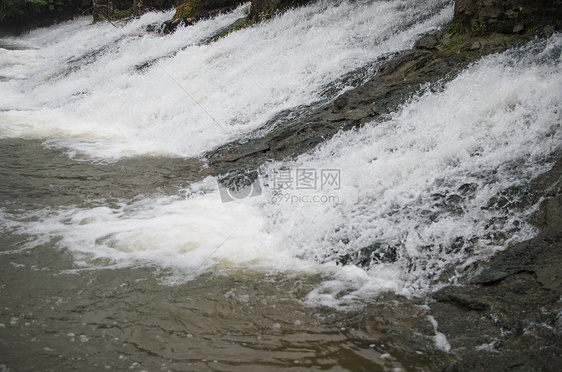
[(476, 45), (263, 9), (191, 11), (507, 16), (428, 42), (462, 297), (548, 30), (518, 28)]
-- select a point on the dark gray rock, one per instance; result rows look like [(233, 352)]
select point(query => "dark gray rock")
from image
[(191, 11), (263, 9), (507, 16), (463, 297), (506, 316), (511, 322)]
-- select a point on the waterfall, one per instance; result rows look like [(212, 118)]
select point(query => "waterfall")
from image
[(416, 194), (110, 92), (120, 249)]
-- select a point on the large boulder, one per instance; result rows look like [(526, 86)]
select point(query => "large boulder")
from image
[(508, 16), (263, 9), (119, 9), (193, 10)]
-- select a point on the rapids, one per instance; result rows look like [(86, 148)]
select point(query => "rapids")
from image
[(118, 250)]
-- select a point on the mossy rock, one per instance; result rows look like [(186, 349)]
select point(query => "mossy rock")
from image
[(265, 9), (480, 17), (187, 10), (192, 10)]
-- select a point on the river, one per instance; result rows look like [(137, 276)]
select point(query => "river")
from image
[(118, 249)]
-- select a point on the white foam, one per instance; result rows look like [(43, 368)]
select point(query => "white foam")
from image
[(83, 90), (347, 288), (416, 183), (404, 182), (440, 339), (190, 236)]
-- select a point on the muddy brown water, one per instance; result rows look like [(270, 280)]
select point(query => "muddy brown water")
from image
[(56, 316)]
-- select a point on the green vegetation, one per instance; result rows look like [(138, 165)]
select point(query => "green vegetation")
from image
[(15, 8), (456, 38), (29, 11), (268, 14), (123, 14), (479, 27), (187, 9), (56, 5), (247, 22), (453, 29)]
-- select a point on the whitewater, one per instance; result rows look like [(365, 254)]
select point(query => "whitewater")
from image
[(414, 186), (233, 85)]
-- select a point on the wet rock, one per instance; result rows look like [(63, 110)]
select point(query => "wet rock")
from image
[(263, 9), (476, 45), (507, 16), (506, 313), (340, 103), (365, 257), (358, 114), (429, 42), (518, 28), (463, 297), (548, 215), (253, 147), (511, 262), (548, 30), (191, 11), (512, 324)]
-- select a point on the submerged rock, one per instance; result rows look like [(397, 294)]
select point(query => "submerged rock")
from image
[(510, 318)]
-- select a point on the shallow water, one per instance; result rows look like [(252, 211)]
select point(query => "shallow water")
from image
[(56, 315), (121, 319)]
